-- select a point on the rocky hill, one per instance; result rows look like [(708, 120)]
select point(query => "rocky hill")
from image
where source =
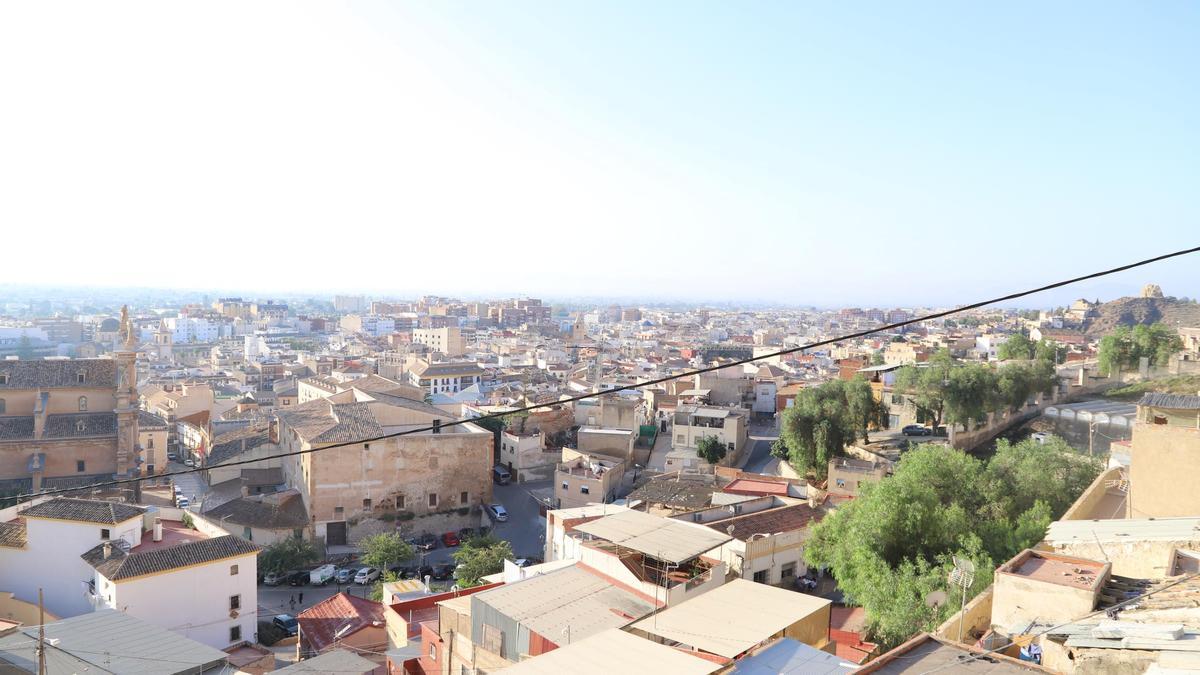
[(1134, 311)]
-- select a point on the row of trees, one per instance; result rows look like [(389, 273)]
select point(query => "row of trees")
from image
[(1124, 347), (947, 391), (890, 548), (1020, 347)]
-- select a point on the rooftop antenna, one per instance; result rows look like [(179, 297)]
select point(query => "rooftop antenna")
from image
[(963, 575)]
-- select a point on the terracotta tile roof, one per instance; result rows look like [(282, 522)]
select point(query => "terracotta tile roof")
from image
[(123, 564), (266, 511), (84, 510), (59, 373), (770, 521), (12, 534), (231, 444), (321, 421), (321, 622)]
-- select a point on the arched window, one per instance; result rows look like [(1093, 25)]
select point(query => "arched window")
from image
[(82, 404)]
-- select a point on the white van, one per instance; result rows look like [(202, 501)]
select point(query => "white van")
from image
[(322, 575)]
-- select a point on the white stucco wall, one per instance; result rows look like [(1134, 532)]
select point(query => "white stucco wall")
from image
[(50, 560), (192, 601)]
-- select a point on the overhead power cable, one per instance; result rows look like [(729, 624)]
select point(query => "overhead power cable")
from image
[(650, 383)]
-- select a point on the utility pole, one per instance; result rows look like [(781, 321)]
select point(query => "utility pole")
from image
[(41, 635)]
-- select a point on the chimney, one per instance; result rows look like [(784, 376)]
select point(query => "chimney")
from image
[(107, 550), (157, 530)]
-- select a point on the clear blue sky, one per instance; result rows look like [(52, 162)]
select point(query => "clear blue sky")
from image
[(817, 153)]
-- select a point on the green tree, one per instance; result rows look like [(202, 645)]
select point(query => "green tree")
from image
[(1049, 350), (817, 428), (877, 358), (1124, 347), (383, 550), (287, 554), (926, 386), (1017, 347), (480, 557), (385, 578), (970, 393), (891, 547), (710, 449), (864, 409)]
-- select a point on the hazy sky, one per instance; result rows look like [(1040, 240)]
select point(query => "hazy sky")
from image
[(822, 153)]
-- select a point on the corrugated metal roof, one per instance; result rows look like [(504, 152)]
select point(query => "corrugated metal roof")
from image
[(614, 651), (791, 657), (660, 538), (1123, 530), (732, 618), (549, 604), (332, 661), (122, 644), (1172, 401)]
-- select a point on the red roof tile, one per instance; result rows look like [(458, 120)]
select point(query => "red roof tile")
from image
[(320, 623)]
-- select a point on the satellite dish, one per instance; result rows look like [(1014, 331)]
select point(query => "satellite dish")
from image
[(936, 599)]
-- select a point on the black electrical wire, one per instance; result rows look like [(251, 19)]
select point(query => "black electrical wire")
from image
[(650, 383)]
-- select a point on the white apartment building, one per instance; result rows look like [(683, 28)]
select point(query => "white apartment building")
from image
[(444, 378), (186, 329), (693, 422)]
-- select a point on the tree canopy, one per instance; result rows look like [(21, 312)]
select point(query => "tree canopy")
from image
[(827, 418), (1124, 347), (710, 449), (382, 550), (891, 547), (479, 557), (287, 554), (956, 392)]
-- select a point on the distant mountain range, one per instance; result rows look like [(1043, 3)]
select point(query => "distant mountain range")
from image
[(1133, 311)]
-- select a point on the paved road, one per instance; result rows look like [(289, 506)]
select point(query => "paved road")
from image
[(193, 485), (760, 455), (526, 528)]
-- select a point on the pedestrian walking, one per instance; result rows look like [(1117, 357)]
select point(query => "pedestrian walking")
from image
[(292, 599), (302, 598)]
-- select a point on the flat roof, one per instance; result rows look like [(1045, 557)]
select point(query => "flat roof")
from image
[(732, 618), (660, 538), (549, 604), (614, 651), (1123, 530), (589, 511), (1056, 569)]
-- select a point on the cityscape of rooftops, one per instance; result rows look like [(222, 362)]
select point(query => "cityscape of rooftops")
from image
[(393, 337)]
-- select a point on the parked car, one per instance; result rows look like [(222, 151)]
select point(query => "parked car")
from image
[(450, 539), (421, 572), (916, 430), (297, 577), (406, 571), (443, 571), (497, 512), (522, 562), (501, 475), (172, 456), (189, 462), (345, 575), (181, 502), (427, 542), (322, 575), (366, 575), (274, 578), (287, 623)]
